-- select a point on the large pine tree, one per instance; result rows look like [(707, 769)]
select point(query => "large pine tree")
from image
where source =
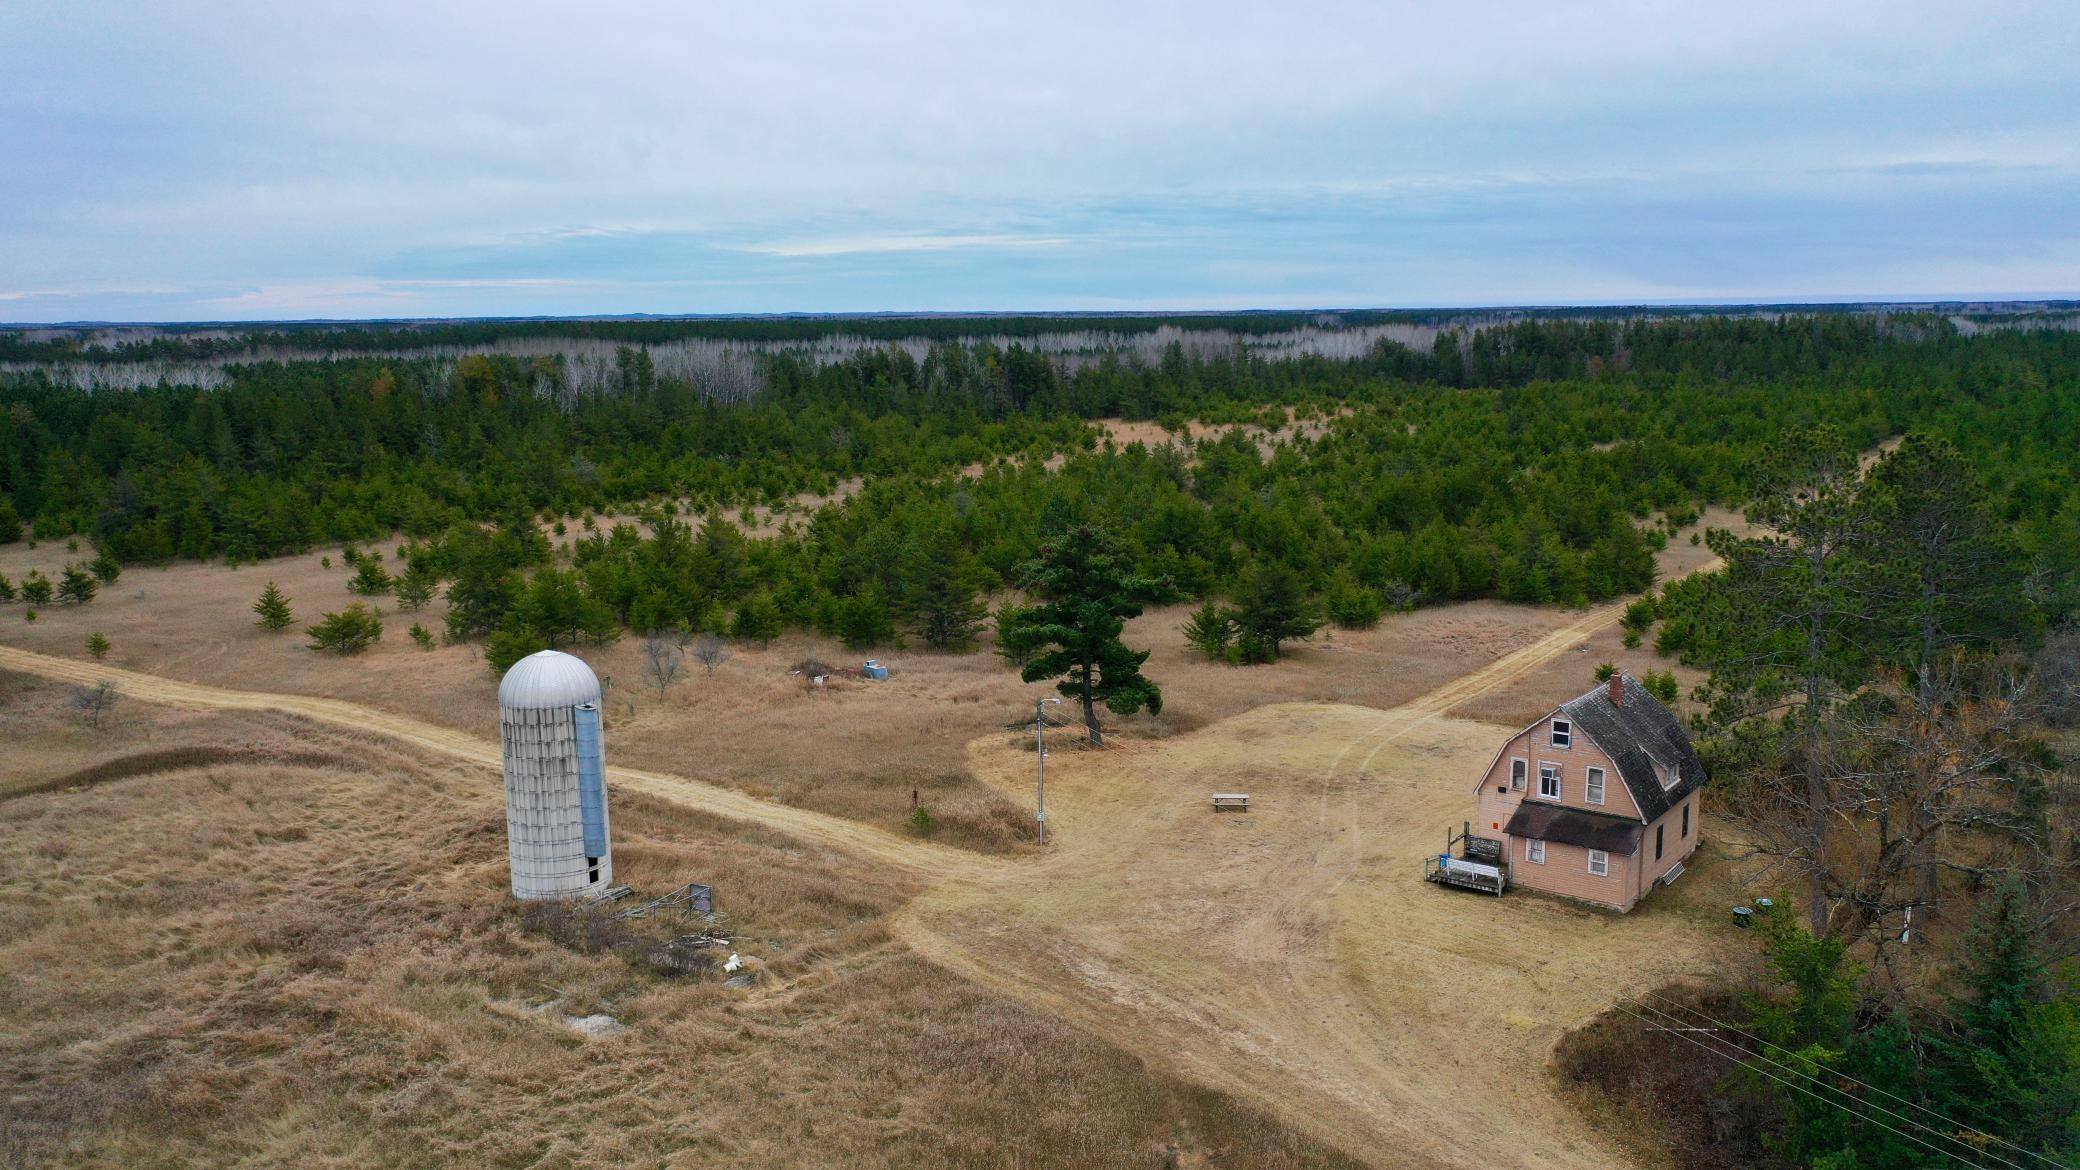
[(1084, 593)]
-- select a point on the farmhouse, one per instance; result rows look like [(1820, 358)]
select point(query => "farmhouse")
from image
[(1597, 800)]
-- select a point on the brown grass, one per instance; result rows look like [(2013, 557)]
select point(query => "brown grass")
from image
[(1661, 1094), (246, 958), (856, 749)]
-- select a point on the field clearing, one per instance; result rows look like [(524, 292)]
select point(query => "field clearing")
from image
[(1276, 988), (855, 750), (1290, 958), (313, 963)]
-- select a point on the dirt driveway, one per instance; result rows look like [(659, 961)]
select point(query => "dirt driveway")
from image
[(1290, 955)]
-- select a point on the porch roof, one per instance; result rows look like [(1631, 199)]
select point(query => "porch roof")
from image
[(1572, 826)]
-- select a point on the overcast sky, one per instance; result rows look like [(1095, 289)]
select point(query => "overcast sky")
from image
[(183, 161)]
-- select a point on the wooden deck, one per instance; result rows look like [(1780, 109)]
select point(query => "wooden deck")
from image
[(1477, 863)]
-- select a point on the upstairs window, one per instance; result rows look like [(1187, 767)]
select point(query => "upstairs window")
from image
[(1596, 786), (1599, 863), (1549, 781), (1518, 769), (1563, 733)]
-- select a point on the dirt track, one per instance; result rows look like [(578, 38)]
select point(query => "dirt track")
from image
[(1290, 955)]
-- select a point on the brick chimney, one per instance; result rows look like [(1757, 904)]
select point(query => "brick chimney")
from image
[(1617, 690)]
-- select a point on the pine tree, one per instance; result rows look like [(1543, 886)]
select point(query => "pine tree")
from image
[(370, 578), (97, 646), (416, 586), (1789, 621), (106, 568), (1085, 593), (77, 586), (942, 590), (1211, 630), (36, 588), (349, 631), (1271, 608), (758, 620), (273, 609)]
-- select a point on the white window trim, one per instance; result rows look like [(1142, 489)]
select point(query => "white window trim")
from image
[(1598, 855), (1553, 731), (1593, 785), (1519, 783), (1534, 851), (1559, 781)]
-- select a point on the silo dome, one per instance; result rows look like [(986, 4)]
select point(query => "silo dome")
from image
[(556, 790), (548, 678)]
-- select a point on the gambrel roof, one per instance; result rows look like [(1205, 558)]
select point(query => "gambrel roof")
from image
[(1641, 736), (1647, 742)]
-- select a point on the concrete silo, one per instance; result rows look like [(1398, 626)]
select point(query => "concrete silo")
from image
[(556, 788)]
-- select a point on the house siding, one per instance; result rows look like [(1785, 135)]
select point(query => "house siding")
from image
[(1566, 872), (1679, 848), (1535, 746), (1566, 868)]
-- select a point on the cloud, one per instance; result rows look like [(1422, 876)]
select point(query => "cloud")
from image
[(880, 245), (236, 156)]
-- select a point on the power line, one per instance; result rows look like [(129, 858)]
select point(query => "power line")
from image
[(1952, 1123), (1824, 1083), (1688, 1039)]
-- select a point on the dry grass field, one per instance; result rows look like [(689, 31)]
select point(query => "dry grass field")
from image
[(856, 750), (247, 938), (263, 916)]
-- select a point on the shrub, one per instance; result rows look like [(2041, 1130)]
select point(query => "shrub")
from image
[(77, 586), (6, 588), (97, 646), (1662, 685), (370, 579), (1354, 607), (106, 568), (509, 644), (1211, 629), (36, 588), (421, 637), (921, 821), (1604, 671), (349, 631)]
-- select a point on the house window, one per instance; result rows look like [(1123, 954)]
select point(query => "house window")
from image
[(1535, 852), (1596, 786), (1599, 863), (1549, 781), (1686, 822), (1563, 733), (1517, 771), (1660, 831)]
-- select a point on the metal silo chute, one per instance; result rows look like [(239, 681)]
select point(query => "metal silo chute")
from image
[(592, 784)]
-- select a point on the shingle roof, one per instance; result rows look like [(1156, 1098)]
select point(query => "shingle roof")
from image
[(1639, 734), (1541, 821)]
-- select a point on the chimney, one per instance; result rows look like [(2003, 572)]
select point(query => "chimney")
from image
[(1617, 690)]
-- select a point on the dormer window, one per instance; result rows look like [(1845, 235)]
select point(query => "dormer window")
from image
[(1563, 733)]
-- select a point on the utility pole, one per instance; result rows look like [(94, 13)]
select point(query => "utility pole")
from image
[(1040, 747)]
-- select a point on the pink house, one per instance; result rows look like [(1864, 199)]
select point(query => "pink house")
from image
[(1597, 800)]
